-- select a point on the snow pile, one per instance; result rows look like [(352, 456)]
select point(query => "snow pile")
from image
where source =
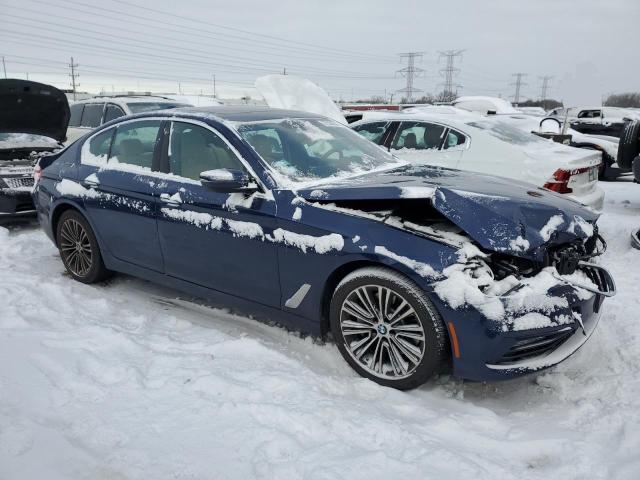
[(550, 227), (471, 282), (119, 380), (322, 244)]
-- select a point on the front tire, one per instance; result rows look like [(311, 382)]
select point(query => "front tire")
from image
[(79, 248), (387, 329)]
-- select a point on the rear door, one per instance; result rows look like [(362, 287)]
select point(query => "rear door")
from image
[(425, 142), (117, 168), (216, 240)]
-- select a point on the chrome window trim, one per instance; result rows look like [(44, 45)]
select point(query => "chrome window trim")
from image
[(244, 162)]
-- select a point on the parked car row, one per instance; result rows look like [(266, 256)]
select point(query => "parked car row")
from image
[(291, 216)]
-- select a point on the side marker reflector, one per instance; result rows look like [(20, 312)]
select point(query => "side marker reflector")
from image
[(454, 340)]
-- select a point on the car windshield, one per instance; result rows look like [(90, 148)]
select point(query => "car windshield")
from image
[(507, 133), (137, 107), (304, 150)]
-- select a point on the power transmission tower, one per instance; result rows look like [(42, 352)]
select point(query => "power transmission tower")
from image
[(518, 84), (450, 91), (545, 86), (410, 72), (73, 76), (4, 67)]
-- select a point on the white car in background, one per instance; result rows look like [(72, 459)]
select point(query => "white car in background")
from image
[(93, 112), (454, 138), (531, 121)]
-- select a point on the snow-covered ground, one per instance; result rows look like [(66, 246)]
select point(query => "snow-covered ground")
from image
[(112, 382)]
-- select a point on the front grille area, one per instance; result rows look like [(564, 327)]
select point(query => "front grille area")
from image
[(600, 277), (535, 346), (18, 182)]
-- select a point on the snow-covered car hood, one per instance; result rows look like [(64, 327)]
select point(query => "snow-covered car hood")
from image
[(501, 215), (33, 108), (294, 93)]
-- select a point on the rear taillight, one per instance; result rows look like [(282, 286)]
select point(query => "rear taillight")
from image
[(560, 181), (37, 174)]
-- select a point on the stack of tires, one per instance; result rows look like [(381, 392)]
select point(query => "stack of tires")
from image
[(629, 148)]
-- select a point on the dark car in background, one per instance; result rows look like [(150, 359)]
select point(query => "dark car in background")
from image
[(296, 218), (92, 112), (33, 123)]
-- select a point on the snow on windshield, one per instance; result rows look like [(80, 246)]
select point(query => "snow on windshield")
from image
[(303, 150), (507, 133)]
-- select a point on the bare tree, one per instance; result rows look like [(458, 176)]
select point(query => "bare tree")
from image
[(623, 100)]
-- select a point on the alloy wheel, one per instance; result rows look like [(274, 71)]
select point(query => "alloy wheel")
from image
[(382, 331), (75, 247)]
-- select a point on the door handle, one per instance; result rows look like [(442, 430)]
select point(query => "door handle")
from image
[(170, 200)]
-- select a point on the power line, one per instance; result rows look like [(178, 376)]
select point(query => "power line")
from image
[(73, 76), (410, 72), (518, 84), (277, 42), (450, 92)]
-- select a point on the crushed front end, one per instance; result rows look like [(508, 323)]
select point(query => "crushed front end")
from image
[(531, 314)]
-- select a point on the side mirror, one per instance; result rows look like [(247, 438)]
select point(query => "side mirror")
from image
[(226, 180)]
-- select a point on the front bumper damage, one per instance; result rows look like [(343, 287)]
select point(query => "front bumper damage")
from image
[(509, 351)]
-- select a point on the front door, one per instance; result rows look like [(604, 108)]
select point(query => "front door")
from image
[(117, 168), (216, 240)]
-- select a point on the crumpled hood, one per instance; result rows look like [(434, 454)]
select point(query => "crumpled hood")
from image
[(501, 215), (34, 108)]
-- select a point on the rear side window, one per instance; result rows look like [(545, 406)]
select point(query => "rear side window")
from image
[(76, 114), (134, 143), (419, 136), (194, 149), (454, 139), (373, 131), (96, 150), (112, 112), (92, 115)]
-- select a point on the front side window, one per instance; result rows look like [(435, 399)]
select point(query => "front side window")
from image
[(419, 136), (373, 131), (134, 143), (96, 150), (76, 114), (194, 149), (308, 149), (92, 115), (112, 112), (589, 114)]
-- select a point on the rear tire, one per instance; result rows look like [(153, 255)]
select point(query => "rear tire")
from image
[(629, 145), (387, 329), (79, 248)]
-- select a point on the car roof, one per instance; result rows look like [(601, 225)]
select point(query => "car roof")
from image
[(243, 113), (455, 118), (123, 99)]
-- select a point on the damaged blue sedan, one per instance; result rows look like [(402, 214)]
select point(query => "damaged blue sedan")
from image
[(295, 218)]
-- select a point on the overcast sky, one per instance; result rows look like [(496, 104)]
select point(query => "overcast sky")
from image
[(350, 48)]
